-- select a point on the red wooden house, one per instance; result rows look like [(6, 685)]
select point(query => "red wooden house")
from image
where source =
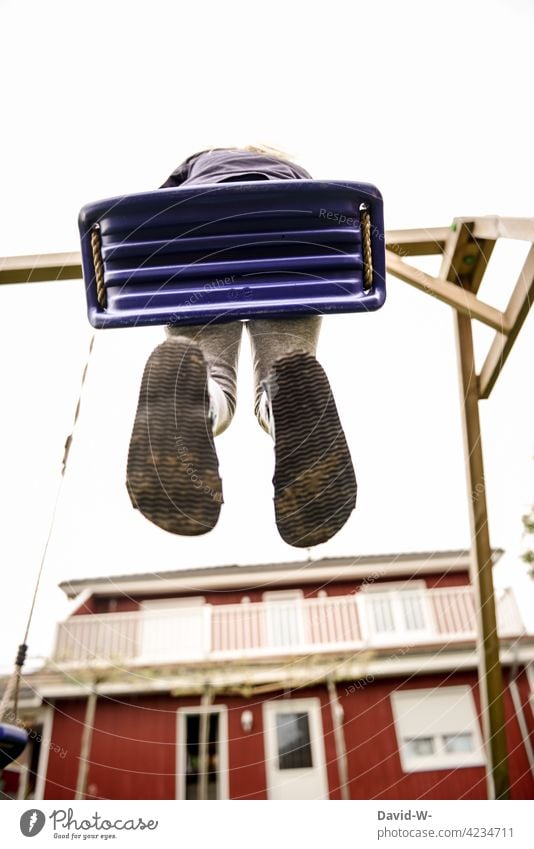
[(336, 678)]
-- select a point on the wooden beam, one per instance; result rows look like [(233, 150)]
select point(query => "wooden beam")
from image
[(494, 227), (417, 242), (516, 313), (422, 241), (455, 296), (85, 745), (336, 712), (471, 255), (40, 268)]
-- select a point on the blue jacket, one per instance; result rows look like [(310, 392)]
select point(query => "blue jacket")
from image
[(223, 165)]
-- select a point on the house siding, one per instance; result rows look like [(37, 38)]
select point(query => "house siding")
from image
[(374, 760), (120, 604), (133, 752)]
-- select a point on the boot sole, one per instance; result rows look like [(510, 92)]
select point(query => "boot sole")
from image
[(314, 481), (173, 470)]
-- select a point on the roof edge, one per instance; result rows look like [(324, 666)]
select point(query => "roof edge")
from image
[(305, 571)]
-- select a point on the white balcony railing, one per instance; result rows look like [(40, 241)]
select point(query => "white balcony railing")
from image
[(272, 628)]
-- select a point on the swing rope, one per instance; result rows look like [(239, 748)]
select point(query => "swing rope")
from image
[(96, 250), (365, 225), (11, 692)]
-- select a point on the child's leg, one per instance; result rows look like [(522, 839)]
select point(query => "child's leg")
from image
[(220, 344), (314, 481), (271, 339), (188, 393)]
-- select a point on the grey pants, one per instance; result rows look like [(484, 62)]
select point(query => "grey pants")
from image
[(269, 339)]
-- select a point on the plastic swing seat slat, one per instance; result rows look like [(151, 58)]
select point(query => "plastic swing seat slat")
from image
[(13, 741), (231, 251), (113, 251)]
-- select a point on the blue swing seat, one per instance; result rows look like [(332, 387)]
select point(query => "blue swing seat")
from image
[(13, 741), (233, 250)]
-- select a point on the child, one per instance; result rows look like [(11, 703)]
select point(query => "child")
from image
[(188, 396)]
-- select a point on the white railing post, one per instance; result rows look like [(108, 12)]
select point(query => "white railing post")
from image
[(208, 646)]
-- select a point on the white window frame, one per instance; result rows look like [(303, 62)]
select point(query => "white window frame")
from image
[(530, 679), (172, 603), (394, 586), (181, 730), (282, 595), (432, 721)]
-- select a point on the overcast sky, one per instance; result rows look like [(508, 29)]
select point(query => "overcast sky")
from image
[(431, 102)]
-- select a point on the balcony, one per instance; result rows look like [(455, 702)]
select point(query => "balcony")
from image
[(225, 632)]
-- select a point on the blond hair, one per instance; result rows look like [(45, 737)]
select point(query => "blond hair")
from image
[(267, 150)]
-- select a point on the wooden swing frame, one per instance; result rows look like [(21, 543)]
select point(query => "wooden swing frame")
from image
[(465, 249)]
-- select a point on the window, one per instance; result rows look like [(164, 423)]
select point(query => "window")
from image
[(437, 729), (192, 768), (293, 741), (419, 745), (459, 742)]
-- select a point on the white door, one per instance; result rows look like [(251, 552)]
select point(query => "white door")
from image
[(174, 629), (294, 749), (188, 753), (396, 615), (284, 621)]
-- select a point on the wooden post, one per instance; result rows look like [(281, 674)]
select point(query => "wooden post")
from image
[(489, 666), (85, 746), (339, 740), (464, 262)]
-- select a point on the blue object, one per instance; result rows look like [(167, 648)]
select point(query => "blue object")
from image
[(13, 741), (233, 250)]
